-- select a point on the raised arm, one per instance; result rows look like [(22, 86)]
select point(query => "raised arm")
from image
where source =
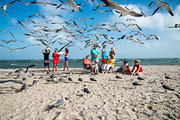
[(102, 54), (43, 51)]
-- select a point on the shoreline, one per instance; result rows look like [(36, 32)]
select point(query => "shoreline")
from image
[(82, 67)]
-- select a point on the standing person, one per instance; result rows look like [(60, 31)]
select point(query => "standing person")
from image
[(104, 57), (46, 53), (112, 52), (137, 69), (55, 60), (94, 59), (66, 59)]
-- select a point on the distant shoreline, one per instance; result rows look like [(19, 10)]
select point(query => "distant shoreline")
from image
[(82, 58)]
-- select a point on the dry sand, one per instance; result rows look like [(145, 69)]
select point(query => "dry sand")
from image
[(109, 98)]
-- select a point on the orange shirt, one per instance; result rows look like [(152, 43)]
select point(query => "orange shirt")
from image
[(87, 61)]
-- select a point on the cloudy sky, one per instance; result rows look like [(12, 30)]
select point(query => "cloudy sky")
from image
[(168, 45)]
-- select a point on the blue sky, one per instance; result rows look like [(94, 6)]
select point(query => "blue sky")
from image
[(167, 47)]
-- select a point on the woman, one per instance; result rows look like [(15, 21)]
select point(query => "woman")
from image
[(137, 69), (110, 63), (112, 52), (55, 60), (66, 59), (104, 57), (124, 69)]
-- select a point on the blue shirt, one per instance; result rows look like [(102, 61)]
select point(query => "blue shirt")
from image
[(95, 52), (104, 56)]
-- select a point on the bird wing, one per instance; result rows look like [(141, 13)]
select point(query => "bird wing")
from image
[(156, 10), (11, 3), (137, 26), (95, 2), (114, 5), (72, 3), (150, 4), (29, 67), (169, 10)]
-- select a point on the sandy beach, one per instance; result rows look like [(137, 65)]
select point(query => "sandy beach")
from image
[(110, 98)]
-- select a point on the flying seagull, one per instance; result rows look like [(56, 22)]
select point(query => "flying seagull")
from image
[(123, 11), (8, 41), (4, 7), (161, 5)]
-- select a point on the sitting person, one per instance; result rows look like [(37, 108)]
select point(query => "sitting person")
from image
[(110, 63), (124, 69), (87, 63), (137, 69)]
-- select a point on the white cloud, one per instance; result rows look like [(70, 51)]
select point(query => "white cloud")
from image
[(169, 41)]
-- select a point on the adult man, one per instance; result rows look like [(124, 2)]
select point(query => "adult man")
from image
[(94, 59), (46, 53)]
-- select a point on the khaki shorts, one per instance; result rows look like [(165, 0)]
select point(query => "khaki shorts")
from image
[(94, 62)]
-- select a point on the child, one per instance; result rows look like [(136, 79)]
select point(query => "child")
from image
[(124, 68), (87, 62), (110, 63), (66, 59), (137, 69), (55, 60)]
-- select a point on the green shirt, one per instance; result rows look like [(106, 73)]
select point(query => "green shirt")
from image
[(95, 52)]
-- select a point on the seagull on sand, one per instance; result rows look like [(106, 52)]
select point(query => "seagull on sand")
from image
[(23, 87), (58, 103), (136, 83), (86, 90), (167, 87), (27, 68)]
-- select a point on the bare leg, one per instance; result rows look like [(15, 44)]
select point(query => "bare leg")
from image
[(139, 74), (67, 65), (53, 67), (49, 68), (64, 66), (102, 67), (56, 67)]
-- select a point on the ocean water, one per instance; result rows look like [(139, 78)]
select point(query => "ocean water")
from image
[(77, 63)]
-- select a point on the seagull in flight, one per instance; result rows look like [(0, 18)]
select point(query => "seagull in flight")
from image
[(123, 11), (4, 7), (161, 5)]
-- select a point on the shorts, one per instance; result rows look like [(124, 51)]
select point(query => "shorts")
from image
[(94, 62), (46, 64), (104, 61), (107, 67), (66, 58)]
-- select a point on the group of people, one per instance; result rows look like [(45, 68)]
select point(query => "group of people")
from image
[(107, 62), (55, 56)]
